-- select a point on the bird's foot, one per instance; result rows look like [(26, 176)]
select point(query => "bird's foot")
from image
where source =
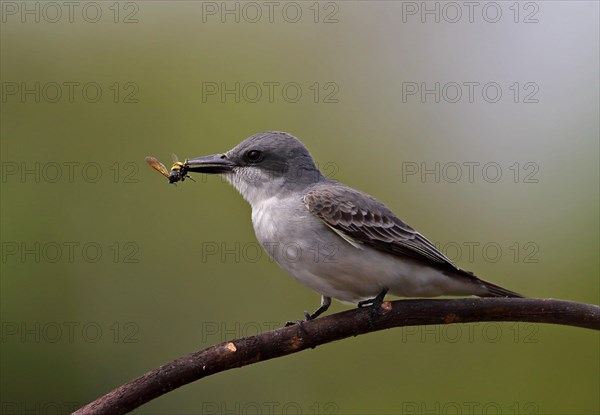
[(307, 317), (291, 323), (375, 304), (325, 303)]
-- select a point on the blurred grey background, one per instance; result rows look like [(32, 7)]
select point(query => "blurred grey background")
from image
[(477, 124)]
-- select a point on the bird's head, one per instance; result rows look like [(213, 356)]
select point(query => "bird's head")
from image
[(262, 166)]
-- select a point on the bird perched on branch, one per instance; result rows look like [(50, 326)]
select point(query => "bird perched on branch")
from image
[(334, 239)]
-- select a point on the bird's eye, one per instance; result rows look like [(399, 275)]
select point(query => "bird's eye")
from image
[(253, 156)]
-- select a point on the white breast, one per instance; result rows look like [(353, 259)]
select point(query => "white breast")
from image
[(264, 219)]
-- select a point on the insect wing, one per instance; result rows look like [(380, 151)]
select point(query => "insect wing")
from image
[(157, 165)]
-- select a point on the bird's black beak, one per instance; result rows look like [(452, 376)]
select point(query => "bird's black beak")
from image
[(215, 164)]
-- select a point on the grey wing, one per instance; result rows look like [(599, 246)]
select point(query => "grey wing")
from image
[(362, 219)]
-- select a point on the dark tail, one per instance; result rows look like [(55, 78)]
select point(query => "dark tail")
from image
[(491, 290), (497, 291)]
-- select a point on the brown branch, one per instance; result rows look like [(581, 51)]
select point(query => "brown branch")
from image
[(288, 340)]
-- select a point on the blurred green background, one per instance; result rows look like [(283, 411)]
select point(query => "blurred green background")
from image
[(108, 272)]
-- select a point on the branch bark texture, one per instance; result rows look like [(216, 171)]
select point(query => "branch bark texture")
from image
[(288, 340)]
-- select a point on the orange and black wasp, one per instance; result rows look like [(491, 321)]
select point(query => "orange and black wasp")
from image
[(178, 170)]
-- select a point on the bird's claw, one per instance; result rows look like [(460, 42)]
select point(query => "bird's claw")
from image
[(375, 304), (307, 317)]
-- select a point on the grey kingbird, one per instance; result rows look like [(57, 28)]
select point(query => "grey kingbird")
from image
[(334, 239)]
